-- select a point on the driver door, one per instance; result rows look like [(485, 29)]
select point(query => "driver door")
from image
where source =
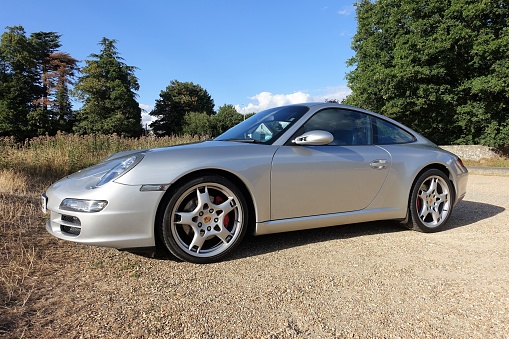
[(345, 175)]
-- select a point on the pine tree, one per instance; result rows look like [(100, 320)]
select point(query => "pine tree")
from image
[(60, 75), (34, 84), (107, 87), (43, 45), (18, 83)]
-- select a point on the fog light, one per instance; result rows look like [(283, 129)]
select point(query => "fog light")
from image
[(80, 205)]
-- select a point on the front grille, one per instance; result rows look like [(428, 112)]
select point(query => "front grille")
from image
[(69, 219), (70, 224), (70, 230)]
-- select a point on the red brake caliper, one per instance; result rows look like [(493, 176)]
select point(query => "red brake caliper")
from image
[(218, 200)]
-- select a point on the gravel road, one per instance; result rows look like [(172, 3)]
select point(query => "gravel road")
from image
[(367, 280)]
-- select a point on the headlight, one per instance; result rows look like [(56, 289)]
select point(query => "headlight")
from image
[(121, 168), (80, 205)]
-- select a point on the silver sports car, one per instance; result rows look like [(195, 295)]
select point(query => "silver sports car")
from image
[(284, 169)]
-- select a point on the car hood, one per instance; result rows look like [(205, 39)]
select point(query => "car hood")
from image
[(166, 165)]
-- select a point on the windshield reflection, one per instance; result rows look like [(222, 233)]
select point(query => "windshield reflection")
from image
[(266, 126)]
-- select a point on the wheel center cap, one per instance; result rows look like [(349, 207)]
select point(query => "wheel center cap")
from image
[(207, 219)]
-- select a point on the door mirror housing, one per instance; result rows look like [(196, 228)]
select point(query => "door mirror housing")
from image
[(314, 138)]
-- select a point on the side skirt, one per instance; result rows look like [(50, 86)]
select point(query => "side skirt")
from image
[(317, 221)]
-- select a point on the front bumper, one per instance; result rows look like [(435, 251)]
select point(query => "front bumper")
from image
[(126, 222)]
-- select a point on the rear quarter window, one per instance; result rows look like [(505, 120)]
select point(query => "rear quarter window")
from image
[(385, 133)]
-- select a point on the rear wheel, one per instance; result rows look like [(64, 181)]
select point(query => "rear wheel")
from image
[(431, 202), (204, 220)]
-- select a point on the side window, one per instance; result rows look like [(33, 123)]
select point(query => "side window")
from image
[(385, 133), (347, 127)]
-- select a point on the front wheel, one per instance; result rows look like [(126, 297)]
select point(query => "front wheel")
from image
[(204, 220), (431, 202)]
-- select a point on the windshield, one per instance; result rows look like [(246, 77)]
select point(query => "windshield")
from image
[(266, 126)]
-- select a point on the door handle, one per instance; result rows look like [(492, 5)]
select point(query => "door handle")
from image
[(379, 164)]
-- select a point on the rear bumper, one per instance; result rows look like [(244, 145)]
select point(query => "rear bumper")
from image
[(461, 186)]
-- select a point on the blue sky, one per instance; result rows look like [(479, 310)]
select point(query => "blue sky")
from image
[(251, 54)]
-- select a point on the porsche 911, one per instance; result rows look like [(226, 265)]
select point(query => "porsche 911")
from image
[(285, 169)]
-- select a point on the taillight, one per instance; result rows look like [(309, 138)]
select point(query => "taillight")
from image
[(460, 162)]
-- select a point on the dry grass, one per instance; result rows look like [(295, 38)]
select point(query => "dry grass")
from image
[(13, 182), (495, 162), (20, 227), (56, 156), (26, 169)]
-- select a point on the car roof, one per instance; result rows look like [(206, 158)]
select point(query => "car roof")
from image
[(319, 105)]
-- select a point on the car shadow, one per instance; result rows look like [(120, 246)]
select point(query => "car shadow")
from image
[(470, 212), (252, 246), (465, 213)]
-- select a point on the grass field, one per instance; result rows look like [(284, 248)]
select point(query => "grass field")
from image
[(26, 170)]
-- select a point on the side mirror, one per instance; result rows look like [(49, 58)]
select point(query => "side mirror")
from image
[(314, 138)]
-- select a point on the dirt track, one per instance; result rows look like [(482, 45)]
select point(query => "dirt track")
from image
[(367, 280)]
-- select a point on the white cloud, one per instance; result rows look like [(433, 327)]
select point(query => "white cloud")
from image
[(145, 118), (346, 10), (266, 100), (332, 93)]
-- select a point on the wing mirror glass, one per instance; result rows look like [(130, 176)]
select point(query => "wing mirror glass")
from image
[(314, 138)]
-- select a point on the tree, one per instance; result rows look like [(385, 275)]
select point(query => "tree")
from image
[(34, 79), (107, 88), (18, 83), (60, 75), (43, 44), (57, 71), (178, 99), (226, 117), (483, 111), (198, 123), (437, 66)]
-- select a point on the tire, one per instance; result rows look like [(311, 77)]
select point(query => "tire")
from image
[(431, 202), (204, 220)]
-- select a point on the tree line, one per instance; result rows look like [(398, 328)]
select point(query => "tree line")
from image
[(439, 66), (37, 82), (34, 84)]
